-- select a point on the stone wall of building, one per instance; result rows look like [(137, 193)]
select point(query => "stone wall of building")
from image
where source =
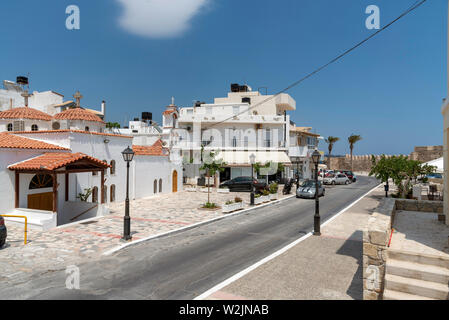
[(375, 243), (427, 153)]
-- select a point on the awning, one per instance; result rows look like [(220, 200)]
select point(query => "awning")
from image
[(439, 163), (241, 158)]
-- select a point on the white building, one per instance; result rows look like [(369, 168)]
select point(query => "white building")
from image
[(48, 163), (243, 123), (302, 144)]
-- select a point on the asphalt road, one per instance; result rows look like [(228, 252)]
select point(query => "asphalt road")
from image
[(184, 265)]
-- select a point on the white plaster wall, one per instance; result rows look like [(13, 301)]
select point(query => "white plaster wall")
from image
[(42, 125), (150, 168), (7, 177)]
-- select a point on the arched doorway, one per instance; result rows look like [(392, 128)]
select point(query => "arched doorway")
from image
[(43, 200), (175, 181)]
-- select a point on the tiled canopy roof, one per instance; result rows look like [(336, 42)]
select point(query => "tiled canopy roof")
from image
[(78, 114), (156, 149), (25, 113), (12, 141), (53, 161), (169, 111)]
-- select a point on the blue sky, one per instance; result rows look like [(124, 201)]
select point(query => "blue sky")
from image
[(389, 91)]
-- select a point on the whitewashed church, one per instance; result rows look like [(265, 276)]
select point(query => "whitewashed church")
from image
[(58, 165)]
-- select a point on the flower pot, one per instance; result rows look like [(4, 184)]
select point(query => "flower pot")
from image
[(258, 200), (265, 198), (232, 207), (273, 196)]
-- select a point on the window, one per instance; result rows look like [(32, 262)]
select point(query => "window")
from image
[(112, 170), (160, 185), (112, 192), (9, 127), (86, 129), (18, 126), (95, 194), (34, 127), (105, 193), (155, 187), (40, 181), (234, 142)]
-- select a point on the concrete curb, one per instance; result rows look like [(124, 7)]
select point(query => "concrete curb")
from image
[(202, 223)]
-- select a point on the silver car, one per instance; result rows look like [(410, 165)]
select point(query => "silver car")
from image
[(307, 189), (339, 178)]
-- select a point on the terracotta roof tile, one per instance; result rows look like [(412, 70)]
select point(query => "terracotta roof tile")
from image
[(76, 131), (53, 161), (12, 141), (157, 149), (25, 113), (78, 114)]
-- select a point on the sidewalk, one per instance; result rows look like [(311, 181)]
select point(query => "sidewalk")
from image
[(318, 268), (57, 248)]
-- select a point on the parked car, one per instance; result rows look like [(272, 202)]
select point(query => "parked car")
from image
[(243, 184), (307, 189), (350, 175), (339, 178), (3, 232)]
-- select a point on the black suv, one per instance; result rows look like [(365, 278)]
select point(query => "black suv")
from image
[(243, 184), (2, 231)]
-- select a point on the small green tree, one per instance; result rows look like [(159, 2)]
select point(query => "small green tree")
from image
[(401, 170), (111, 125), (85, 196), (211, 166)]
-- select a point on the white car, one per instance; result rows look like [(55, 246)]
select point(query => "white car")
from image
[(339, 178)]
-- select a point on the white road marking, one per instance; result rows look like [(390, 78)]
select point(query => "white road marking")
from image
[(273, 255)]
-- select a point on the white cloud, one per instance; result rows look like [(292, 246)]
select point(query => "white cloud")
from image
[(159, 18)]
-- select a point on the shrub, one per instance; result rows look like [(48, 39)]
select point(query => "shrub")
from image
[(257, 195), (266, 193), (229, 202), (274, 188), (209, 205)]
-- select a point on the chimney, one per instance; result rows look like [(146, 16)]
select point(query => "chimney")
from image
[(103, 108)]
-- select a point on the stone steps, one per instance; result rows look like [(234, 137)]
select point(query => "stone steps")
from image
[(422, 288), (439, 261), (418, 271), (397, 295)]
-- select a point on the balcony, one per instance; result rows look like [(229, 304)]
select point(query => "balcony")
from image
[(298, 151)]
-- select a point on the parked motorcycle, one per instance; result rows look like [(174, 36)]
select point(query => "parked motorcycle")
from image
[(288, 187)]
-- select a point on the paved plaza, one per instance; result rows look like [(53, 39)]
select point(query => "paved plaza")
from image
[(59, 247)]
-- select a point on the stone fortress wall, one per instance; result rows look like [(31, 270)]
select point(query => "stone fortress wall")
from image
[(363, 163)]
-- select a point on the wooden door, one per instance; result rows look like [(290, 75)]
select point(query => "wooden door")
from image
[(41, 201), (175, 181)]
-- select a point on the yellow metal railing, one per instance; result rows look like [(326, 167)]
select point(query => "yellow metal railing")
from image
[(26, 224)]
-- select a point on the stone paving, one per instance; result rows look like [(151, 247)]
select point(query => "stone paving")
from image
[(57, 248)]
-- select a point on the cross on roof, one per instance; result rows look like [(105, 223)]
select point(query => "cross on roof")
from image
[(78, 96), (26, 95)]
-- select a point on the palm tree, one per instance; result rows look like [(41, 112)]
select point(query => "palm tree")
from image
[(330, 141), (353, 138)]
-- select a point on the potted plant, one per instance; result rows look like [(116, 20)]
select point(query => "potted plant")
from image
[(231, 206), (258, 199), (274, 191), (265, 196)]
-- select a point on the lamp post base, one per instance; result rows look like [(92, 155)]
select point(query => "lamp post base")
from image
[(317, 233)]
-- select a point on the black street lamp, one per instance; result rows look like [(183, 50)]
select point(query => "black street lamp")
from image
[(316, 155), (252, 160), (128, 155)]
